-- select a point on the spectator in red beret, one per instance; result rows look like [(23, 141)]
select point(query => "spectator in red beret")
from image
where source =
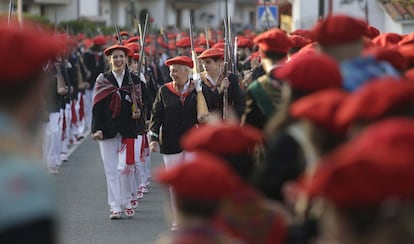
[(220, 140), (388, 54), (263, 94), (366, 187), (340, 36), (28, 207), (288, 138), (201, 184), (381, 98)]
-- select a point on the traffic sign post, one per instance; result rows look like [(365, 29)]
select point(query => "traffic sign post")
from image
[(267, 16)]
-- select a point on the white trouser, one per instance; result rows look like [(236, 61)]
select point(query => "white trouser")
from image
[(64, 124), (171, 160), (81, 122), (118, 179), (88, 101), (52, 143), (138, 174), (74, 125), (147, 166)]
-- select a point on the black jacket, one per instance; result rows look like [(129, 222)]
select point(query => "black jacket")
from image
[(123, 124), (235, 96), (95, 63), (171, 118)]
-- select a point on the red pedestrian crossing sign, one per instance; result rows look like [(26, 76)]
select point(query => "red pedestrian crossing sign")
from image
[(267, 16)]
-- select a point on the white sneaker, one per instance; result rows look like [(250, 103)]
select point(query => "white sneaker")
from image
[(115, 215), (64, 157), (134, 204), (129, 212), (140, 195), (53, 170), (143, 189)]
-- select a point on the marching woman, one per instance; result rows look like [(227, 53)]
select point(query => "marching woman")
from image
[(178, 107), (214, 78), (142, 153), (117, 119)]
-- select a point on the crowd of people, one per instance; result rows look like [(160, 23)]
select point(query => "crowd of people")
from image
[(308, 139)]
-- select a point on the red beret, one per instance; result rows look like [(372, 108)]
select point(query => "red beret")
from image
[(302, 32), (374, 100), (274, 40), (171, 46), (199, 50), (388, 54), (205, 177), (387, 39), (298, 41), (99, 40), (212, 53), (244, 42), (183, 42), (313, 46), (374, 167), (203, 41), (181, 60), (134, 46), (408, 39), (409, 74), (110, 49), (219, 45), (132, 39), (24, 51), (338, 30), (320, 108), (122, 33), (371, 32), (224, 139), (310, 71)]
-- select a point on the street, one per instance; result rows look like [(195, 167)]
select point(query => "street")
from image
[(84, 214)]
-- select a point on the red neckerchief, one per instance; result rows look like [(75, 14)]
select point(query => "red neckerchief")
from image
[(182, 96), (105, 88)]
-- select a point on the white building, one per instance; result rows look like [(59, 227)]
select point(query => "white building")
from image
[(163, 12), (383, 14)]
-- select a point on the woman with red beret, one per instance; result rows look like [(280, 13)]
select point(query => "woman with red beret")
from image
[(175, 111), (214, 78), (116, 122)]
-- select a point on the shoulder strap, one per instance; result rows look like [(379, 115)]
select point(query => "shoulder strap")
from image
[(262, 99)]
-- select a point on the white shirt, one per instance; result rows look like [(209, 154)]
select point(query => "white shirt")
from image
[(119, 78)]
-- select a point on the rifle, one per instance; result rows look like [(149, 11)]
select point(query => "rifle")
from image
[(226, 63), (205, 34), (11, 5), (202, 109), (141, 42), (136, 112)]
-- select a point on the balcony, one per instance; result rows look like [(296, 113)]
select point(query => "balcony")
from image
[(61, 2)]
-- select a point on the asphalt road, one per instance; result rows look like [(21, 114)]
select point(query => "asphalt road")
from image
[(84, 213)]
